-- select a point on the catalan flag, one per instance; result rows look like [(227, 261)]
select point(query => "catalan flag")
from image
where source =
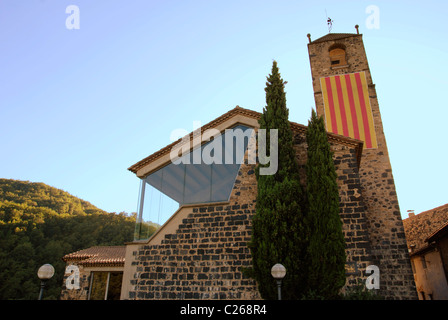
[(347, 107)]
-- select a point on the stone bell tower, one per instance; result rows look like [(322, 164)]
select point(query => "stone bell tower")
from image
[(345, 96)]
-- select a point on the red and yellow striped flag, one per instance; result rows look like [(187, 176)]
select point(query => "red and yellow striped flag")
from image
[(347, 107)]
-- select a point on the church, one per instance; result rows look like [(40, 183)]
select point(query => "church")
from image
[(201, 249)]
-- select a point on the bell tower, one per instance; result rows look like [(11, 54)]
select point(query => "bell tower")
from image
[(345, 96)]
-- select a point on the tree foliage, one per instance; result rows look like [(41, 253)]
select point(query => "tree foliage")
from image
[(326, 248), (297, 226), (278, 235), (40, 224)]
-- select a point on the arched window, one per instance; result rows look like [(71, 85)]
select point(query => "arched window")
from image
[(337, 55)]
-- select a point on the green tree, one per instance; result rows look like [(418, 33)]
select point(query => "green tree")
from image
[(326, 250), (278, 235), (40, 224)]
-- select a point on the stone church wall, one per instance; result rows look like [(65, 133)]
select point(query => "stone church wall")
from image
[(204, 257)]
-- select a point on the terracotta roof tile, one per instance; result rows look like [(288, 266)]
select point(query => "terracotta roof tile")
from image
[(95, 256), (438, 233), (421, 226)]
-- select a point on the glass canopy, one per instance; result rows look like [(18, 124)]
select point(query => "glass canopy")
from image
[(192, 179)]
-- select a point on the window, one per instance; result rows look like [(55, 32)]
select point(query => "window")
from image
[(105, 285), (193, 179), (337, 55)]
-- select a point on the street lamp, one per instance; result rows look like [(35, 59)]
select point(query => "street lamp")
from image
[(278, 271), (44, 273)]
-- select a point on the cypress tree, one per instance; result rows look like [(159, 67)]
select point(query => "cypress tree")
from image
[(326, 250), (278, 234)]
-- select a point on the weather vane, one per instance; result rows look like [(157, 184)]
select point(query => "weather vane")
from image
[(329, 22)]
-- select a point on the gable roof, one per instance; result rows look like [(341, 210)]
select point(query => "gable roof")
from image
[(421, 227), (439, 233), (98, 256), (213, 124), (238, 115), (335, 36)]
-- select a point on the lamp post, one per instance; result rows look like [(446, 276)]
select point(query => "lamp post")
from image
[(278, 272), (44, 273)]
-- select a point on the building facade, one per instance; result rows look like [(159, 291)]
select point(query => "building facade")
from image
[(427, 237), (95, 273), (200, 252)]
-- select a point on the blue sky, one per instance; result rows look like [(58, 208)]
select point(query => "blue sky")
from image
[(78, 107)]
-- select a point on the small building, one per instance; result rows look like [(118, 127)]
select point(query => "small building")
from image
[(95, 273), (427, 237)]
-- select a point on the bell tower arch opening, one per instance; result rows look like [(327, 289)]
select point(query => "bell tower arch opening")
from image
[(337, 55)]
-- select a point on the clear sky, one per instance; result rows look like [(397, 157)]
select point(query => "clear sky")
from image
[(79, 106)]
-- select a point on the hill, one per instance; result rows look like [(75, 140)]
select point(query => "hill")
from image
[(37, 194), (40, 224)]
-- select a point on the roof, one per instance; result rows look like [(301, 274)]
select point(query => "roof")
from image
[(425, 225), (441, 232), (335, 36), (98, 256), (238, 111), (158, 154)]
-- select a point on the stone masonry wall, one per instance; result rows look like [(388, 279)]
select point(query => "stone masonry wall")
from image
[(384, 222), (84, 281), (204, 257)]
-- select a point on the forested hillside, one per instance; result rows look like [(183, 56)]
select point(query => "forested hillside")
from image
[(40, 224)]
